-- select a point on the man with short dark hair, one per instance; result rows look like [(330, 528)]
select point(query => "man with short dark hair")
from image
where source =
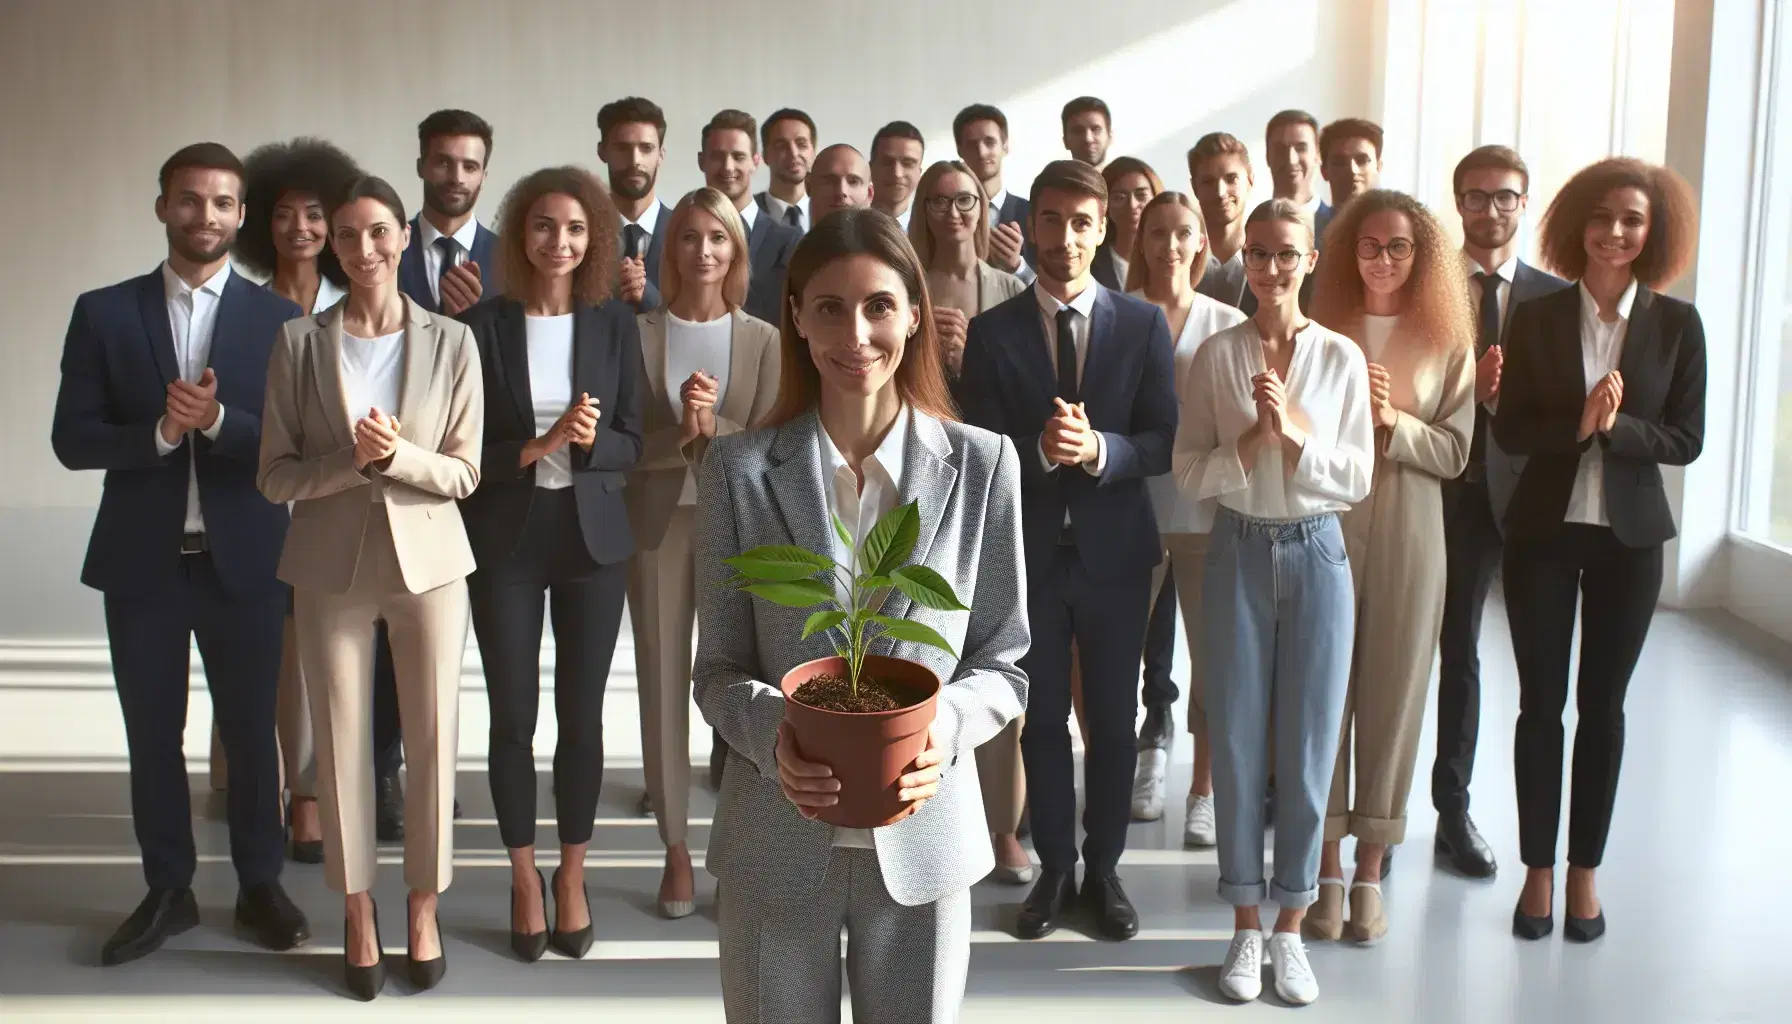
[(1081, 379), (1350, 162), (451, 257), (631, 142), (980, 132), (1291, 147), (728, 156), (1219, 173), (789, 140), (840, 179), (897, 151), (1088, 130), (162, 384)]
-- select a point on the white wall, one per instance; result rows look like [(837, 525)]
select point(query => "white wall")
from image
[(99, 92)]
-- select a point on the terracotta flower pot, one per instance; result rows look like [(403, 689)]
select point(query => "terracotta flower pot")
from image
[(867, 751)]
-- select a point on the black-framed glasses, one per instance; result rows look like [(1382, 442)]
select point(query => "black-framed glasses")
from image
[(1475, 200), (1399, 250), (963, 202), (1256, 258)]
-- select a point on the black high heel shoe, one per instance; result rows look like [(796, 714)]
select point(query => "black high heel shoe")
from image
[(1584, 929), (298, 850), (530, 946), (573, 944), (1533, 928), (364, 983), (425, 974)]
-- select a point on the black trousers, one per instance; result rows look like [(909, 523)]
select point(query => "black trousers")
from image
[(1160, 647), (1472, 548), (550, 566), (388, 741), (1616, 588), (1107, 620), (239, 643)]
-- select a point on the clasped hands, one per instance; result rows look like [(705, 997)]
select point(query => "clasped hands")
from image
[(1600, 413), (376, 438), (1273, 422), (1068, 440), (951, 326), (190, 406), (1381, 387), (698, 394), (811, 786), (577, 425)]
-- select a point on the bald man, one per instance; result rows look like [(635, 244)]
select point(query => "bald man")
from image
[(840, 178)]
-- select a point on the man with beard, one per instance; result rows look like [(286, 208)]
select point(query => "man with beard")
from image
[(162, 385), (896, 152), (841, 179), (789, 140), (1088, 130), (1350, 162), (631, 143), (728, 156), (980, 132), (1491, 185), (451, 253), (1291, 146), (1082, 379)]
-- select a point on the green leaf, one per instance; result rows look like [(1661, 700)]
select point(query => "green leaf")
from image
[(780, 563), (892, 540), (913, 632), (823, 620), (875, 582), (794, 593), (840, 531), (927, 588)]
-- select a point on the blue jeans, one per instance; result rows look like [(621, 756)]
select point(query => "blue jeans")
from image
[(1278, 622)]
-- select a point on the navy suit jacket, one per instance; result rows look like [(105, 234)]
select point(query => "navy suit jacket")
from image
[(1104, 269), (117, 363), (1128, 388), (413, 281), (1017, 210), (656, 251), (1322, 219), (769, 245)]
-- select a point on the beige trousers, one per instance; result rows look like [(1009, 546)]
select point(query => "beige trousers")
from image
[(428, 632), (1186, 557), (292, 726), (1003, 779), (662, 611)]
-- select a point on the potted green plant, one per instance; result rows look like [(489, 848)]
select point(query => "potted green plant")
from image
[(864, 715)]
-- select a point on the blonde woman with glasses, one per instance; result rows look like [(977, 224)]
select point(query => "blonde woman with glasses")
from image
[(952, 239)]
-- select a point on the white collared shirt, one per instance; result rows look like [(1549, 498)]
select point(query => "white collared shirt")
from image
[(1311, 206), (192, 319), (649, 222), (776, 208), (1601, 349), (693, 346), (902, 218), (432, 257), (749, 215), (1084, 305), (859, 508), (1206, 317)]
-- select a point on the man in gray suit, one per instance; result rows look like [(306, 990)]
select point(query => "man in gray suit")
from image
[(631, 143), (789, 140), (728, 158)]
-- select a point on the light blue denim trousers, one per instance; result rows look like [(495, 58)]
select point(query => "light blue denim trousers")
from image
[(1278, 619)]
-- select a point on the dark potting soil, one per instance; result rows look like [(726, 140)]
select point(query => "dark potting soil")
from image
[(834, 693)]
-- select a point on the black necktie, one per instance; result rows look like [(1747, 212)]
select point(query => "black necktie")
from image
[(1068, 389), (1487, 321), (793, 216), (634, 237), (449, 248)]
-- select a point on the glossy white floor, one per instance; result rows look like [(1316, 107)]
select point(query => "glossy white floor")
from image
[(1692, 886)]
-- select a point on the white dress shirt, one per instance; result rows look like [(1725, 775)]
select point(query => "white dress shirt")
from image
[(1327, 387), (1084, 305), (996, 202), (859, 509), (649, 222), (327, 295), (550, 390), (1206, 317), (1504, 275), (432, 257), (902, 218), (778, 206), (1601, 347), (192, 318), (1311, 206), (749, 215), (690, 347), (372, 369)]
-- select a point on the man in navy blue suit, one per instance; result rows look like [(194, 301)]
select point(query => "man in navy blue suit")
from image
[(980, 132), (631, 142), (728, 156), (1080, 377), (451, 262), (162, 382)]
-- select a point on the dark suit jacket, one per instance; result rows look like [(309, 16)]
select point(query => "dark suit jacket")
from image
[(414, 281), (1322, 219), (1104, 269), (656, 253), (1661, 422), (1501, 470), (606, 363), (1128, 388), (117, 362), (1017, 210), (770, 246)]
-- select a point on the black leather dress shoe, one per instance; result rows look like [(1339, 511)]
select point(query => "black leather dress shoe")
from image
[(1154, 734), (162, 914), (1584, 929), (1106, 904), (1460, 845), (388, 814), (1046, 906), (276, 921)]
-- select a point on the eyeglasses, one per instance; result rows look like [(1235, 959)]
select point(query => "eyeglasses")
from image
[(1257, 259), (1475, 200), (963, 202), (1399, 250)]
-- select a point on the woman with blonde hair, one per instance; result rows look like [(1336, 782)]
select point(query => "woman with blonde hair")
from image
[(951, 237), (708, 370), (1132, 184), (1392, 280)]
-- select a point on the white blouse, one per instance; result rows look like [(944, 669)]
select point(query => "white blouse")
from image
[(550, 390), (1601, 349), (1376, 332), (372, 370), (1328, 397), (693, 346), (1175, 512)]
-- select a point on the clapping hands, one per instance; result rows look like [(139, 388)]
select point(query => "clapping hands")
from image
[(376, 438), (1600, 413), (698, 394)]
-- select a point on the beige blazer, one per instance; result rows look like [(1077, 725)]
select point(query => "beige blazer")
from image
[(307, 452), (995, 287), (654, 485)]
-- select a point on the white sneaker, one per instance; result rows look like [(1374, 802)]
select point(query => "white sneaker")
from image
[(1199, 828), (1148, 785), (1241, 977), (1294, 975)]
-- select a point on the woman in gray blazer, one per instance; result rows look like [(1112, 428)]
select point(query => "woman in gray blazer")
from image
[(864, 422)]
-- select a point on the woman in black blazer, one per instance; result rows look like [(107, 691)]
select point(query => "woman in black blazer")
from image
[(1603, 384), (562, 430)]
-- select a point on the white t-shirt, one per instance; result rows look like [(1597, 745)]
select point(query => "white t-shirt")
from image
[(550, 390), (372, 370), (1176, 512), (690, 347), (1376, 332)]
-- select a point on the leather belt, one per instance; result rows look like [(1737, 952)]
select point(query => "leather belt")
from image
[(192, 544)]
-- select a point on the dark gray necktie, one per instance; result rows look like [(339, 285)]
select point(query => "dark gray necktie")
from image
[(793, 216), (1068, 387), (1487, 319), (450, 250), (634, 239)]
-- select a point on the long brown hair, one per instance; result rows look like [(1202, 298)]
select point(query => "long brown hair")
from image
[(921, 377), (1137, 273), (1673, 220), (595, 275), (1437, 311)]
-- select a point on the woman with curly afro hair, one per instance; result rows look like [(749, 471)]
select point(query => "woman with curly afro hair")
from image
[(285, 234)]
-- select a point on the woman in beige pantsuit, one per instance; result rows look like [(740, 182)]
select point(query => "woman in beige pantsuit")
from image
[(1389, 279), (710, 370), (950, 233), (372, 428)]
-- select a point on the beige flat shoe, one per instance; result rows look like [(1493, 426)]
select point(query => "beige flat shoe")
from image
[(1325, 918), (1368, 922)]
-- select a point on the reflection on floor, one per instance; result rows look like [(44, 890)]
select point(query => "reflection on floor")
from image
[(1693, 888)]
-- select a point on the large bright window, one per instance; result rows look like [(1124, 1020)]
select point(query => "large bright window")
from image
[(1767, 481)]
